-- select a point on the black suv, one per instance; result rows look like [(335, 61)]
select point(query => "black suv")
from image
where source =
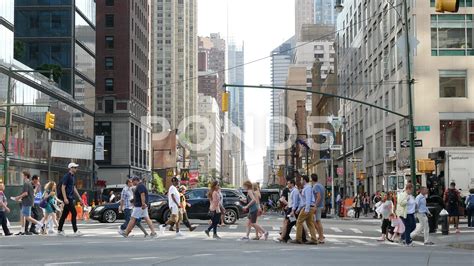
[(234, 200)]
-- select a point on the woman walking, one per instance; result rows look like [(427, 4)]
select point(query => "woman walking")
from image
[(261, 209), (385, 209), (252, 207), (214, 208), (406, 207), (50, 209), (366, 202), (357, 205)]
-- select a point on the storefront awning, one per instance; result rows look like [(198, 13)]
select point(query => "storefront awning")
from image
[(71, 150)]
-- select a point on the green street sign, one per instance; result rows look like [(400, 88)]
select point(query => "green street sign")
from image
[(422, 128)]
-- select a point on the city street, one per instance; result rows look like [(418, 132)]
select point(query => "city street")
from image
[(349, 242)]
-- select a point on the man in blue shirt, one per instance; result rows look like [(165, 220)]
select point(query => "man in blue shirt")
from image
[(319, 195), (306, 214), (422, 213), (67, 192)]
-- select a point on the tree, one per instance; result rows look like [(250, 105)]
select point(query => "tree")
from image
[(57, 71), (18, 49), (157, 184)]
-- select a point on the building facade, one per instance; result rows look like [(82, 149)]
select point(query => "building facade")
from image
[(324, 12), (174, 63), (373, 53), (209, 157), (123, 89), (304, 14)]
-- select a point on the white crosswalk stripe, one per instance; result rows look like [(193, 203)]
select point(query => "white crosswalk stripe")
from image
[(355, 230), (337, 230), (233, 227)]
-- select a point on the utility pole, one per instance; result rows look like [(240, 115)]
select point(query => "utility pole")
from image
[(7, 130), (344, 147)]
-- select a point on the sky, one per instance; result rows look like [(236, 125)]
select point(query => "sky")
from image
[(262, 25)]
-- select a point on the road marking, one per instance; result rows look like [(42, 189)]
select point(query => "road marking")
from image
[(355, 230), (333, 240), (276, 228), (252, 251), (337, 230), (280, 219), (233, 227), (64, 263), (266, 218), (145, 258), (362, 242), (202, 255)]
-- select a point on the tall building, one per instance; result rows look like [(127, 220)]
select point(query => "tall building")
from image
[(304, 14), (324, 12), (236, 113), (373, 52), (28, 139), (210, 157), (123, 88), (174, 62)]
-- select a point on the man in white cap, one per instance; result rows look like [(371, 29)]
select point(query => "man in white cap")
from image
[(66, 192)]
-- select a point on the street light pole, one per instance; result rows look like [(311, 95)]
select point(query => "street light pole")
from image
[(7, 131), (410, 100)]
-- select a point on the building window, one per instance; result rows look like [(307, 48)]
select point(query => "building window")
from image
[(109, 42), (455, 133), (109, 63), (452, 83), (451, 35), (109, 106), (109, 21), (105, 129), (109, 84), (109, 2)]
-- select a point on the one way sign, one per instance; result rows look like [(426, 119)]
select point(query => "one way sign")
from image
[(406, 143)]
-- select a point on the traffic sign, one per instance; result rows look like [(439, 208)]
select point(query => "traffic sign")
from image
[(406, 143), (422, 128), (336, 147), (355, 160)]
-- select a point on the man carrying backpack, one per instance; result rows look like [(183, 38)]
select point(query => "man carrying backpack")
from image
[(470, 208), (452, 198)]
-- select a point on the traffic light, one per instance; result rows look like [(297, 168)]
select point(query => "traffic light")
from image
[(49, 121), (325, 154), (225, 102), (447, 6)]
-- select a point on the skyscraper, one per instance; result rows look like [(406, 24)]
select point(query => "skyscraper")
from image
[(123, 88), (325, 12), (174, 62), (304, 14)]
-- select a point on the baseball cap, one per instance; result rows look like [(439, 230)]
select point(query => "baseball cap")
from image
[(72, 165), (136, 178)]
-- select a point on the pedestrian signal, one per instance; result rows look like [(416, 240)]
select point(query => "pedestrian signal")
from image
[(49, 120), (447, 6)]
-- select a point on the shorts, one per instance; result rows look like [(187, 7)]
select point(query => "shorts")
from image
[(175, 218), (253, 217), (26, 211), (174, 210), (317, 215), (453, 211), (138, 213)]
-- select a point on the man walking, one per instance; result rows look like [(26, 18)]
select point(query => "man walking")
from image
[(35, 209), (126, 206), (422, 214), (140, 208), (27, 200), (174, 206), (306, 214), (319, 195), (290, 214), (67, 191)]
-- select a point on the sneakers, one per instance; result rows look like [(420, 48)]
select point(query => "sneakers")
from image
[(381, 239), (61, 233), (245, 238), (265, 236), (207, 232), (179, 234), (39, 225), (20, 234), (153, 235), (162, 228), (27, 233), (122, 233), (429, 244), (192, 228), (77, 233), (409, 245), (215, 236)]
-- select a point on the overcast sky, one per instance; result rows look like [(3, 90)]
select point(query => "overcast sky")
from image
[(262, 25)]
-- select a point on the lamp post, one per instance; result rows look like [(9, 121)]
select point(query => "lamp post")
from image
[(8, 116), (336, 123)]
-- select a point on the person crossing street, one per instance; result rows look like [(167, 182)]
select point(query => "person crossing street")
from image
[(67, 190), (306, 214), (422, 213), (174, 207)]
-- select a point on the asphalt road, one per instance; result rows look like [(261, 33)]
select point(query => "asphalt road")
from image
[(348, 243)]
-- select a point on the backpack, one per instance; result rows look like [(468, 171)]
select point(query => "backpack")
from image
[(452, 198), (470, 201)]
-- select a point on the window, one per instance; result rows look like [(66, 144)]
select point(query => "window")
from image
[(452, 83), (454, 133), (109, 63), (109, 84), (109, 21), (109, 106), (109, 2), (105, 129), (109, 42), (197, 194), (451, 35)]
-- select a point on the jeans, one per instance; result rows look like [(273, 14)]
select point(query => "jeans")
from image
[(68, 208), (35, 211), (357, 212), (470, 218), (410, 225), (3, 221), (126, 215), (423, 226), (216, 217)]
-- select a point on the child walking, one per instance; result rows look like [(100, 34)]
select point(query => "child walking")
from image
[(398, 227), (3, 211)]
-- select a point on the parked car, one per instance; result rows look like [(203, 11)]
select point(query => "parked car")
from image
[(117, 189), (233, 202), (108, 213)]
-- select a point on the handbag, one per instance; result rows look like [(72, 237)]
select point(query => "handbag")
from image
[(43, 203)]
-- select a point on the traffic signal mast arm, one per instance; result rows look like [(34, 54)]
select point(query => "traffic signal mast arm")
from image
[(316, 92)]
